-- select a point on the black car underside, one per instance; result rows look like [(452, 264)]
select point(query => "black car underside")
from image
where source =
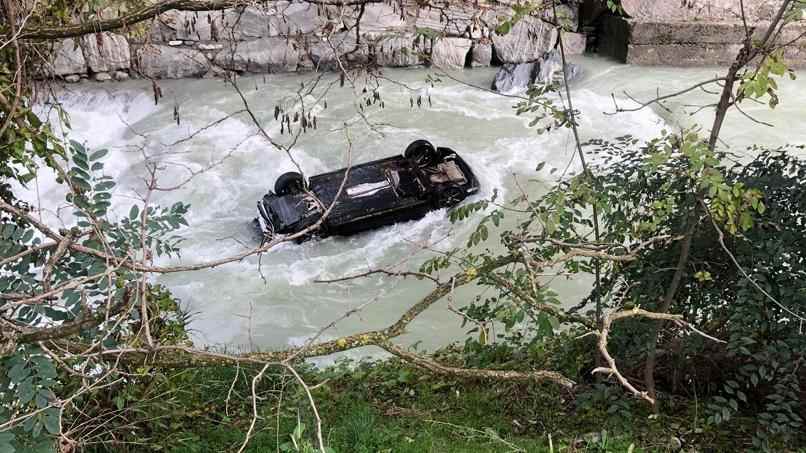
[(369, 195)]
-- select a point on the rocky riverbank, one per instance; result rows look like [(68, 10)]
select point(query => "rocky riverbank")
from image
[(288, 36), (302, 35)]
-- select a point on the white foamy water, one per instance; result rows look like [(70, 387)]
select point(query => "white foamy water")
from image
[(280, 305)]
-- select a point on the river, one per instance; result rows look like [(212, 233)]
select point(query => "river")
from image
[(240, 306)]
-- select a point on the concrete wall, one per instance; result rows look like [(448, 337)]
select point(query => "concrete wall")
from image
[(691, 33)]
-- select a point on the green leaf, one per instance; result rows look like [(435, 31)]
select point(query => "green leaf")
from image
[(6, 439), (18, 372), (25, 391), (99, 154), (104, 185), (52, 420)]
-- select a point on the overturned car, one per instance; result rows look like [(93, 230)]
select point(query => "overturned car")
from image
[(374, 194)]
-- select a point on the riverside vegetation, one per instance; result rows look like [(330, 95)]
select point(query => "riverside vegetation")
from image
[(691, 336)]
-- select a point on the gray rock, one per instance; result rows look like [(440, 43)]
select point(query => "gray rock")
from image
[(259, 55), (574, 43), (102, 77), (551, 66), (165, 62), (450, 53), (216, 72), (211, 47), (528, 40), (482, 54), (460, 19), (398, 50), (176, 43), (106, 52), (323, 54), (379, 18), (289, 19), (512, 78), (567, 16), (675, 444), (120, 76), (72, 78), (68, 58), (236, 23)]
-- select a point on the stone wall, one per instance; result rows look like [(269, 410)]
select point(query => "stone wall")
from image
[(691, 33), (287, 36)]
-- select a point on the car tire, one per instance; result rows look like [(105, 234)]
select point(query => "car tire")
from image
[(422, 152), (289, 183), (451, 196)]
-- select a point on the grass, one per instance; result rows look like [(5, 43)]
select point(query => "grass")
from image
[(390, 407)]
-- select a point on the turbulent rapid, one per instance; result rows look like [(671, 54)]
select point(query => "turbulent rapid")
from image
[(274, 300)]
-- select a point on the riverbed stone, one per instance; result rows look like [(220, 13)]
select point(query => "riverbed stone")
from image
[(567, 16), (380, 18), (294, 18), (398, 50), (528, 41), (68, 58), (259, 56), (72, 78), (211, 47), (574, 43), (106, 52), (120, 76), (450, 53), (458, 19), (165, 62), (482, 54), (322, 52), (514, 77), (102, 77)]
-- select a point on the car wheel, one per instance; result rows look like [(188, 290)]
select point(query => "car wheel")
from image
[(451, 196), (422, 152), (289, 183)]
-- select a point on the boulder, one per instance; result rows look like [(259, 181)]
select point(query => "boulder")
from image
[(290, 19), (106, 52), (574, 43), (68, 58), (102, 77), (165, 62), (528, 40), (463, 19), (482, 54), (551, 67), (120, 76), (322, 52), (72, 78), (450, 53), (237, 23), (398, 50), (379, 18), (515, 77), (567, 16), (259, 55)]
